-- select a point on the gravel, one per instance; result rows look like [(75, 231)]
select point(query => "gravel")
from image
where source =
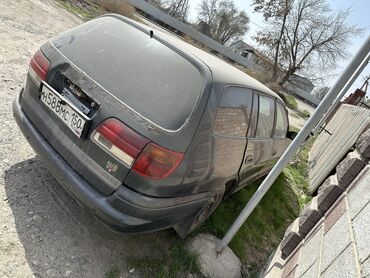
[(43, 232)]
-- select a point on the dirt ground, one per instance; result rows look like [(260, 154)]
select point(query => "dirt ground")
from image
[(43, 232)]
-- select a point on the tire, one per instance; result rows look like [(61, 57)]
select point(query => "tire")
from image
[(187, 227)]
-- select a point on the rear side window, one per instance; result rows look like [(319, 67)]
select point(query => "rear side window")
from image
[(233, 113), (281, 122), (266, 116)]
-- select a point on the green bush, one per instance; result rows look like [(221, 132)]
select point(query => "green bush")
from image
[(306, 113), (290, 101)]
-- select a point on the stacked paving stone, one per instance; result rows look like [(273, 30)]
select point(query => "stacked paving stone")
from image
[(314, 231)]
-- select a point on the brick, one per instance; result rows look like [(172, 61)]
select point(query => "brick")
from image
[(310, 252), (363, 144), (349, 168), (308, 217), (328, 193), (332, 217), (291, 239), (291, 265), (343, 266), (335, 241)]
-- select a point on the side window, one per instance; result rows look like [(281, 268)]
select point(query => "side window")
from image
[(233, 113), (281, 126), (266, 116)]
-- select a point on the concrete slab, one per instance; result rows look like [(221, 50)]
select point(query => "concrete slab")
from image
[(335, 241), (359, 196), (310, 251), (365, 269), (312, 272), (214, 265), (361, 229), (344, 265)]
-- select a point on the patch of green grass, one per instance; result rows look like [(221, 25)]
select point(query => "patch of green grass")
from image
[(305, 114), (176, 261), (114, 272), (92, 12), (290, 101), (294, 129)]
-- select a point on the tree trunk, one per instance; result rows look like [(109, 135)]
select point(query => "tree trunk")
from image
[(286, 76), (277, 49)]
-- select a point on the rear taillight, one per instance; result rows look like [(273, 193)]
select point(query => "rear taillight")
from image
[(157, 162), (134, 150), (119, 140), (39, 66)]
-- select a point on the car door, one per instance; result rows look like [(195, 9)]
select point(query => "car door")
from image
[(229, 133), (260, 143)]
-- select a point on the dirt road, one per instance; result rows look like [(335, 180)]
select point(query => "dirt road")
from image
[(43, 232)]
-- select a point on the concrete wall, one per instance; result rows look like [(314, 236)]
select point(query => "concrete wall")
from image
[(332, 234)]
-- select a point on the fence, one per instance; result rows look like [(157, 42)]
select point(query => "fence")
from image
[(335, 141), (191, 32)]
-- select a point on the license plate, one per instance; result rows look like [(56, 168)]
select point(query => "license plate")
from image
[(67, 113)]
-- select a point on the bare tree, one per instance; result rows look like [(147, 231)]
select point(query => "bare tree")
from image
[(278, 10), (178, 9), (158, 3), (226, 22), (314, 38)]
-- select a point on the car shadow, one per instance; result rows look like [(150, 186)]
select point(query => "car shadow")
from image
[(59, 237)]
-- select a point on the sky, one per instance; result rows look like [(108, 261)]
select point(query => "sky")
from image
[(360, 16)]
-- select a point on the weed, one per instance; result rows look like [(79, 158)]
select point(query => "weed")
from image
[(290, 101), (86, 10), (114, 272), (174, 261), (116, 6)]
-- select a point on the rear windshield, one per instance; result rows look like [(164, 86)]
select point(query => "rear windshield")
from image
[(146, 75)]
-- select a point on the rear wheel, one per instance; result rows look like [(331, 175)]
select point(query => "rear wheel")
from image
[(187, 227)]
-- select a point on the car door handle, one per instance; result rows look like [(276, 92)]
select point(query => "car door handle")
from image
[(249, 159)]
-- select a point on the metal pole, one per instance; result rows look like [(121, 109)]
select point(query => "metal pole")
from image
[(293, 147), (343, 91)]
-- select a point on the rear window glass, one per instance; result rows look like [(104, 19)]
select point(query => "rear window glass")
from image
[(146, 75), (281, 122), (265, 117)]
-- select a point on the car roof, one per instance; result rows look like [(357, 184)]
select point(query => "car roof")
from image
[(222, 72)]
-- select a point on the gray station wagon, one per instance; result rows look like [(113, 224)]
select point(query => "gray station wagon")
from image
[(144, 129)]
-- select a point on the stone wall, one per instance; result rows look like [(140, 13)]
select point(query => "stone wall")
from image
[(331, 236)]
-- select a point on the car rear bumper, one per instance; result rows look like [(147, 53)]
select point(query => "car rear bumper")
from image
[(125, 210)]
